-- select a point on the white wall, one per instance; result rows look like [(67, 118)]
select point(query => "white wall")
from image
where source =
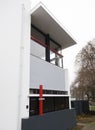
[(13, 56), (49, 75)]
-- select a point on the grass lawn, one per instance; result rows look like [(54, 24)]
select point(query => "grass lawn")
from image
[(92, 108)]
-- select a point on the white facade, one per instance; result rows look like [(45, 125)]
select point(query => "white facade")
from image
[(15, 60)]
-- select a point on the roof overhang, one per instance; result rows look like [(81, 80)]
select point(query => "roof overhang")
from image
[(45, 21)]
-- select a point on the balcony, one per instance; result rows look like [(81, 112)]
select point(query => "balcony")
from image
[(49, 75), (48, 38), (51, 53)]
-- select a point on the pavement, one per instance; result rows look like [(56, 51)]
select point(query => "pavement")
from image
[(90, 126)]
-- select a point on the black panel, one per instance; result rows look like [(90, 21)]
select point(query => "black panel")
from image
[(59, 120)]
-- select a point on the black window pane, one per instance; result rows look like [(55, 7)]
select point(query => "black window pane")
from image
[(49, 104), (34, 106)]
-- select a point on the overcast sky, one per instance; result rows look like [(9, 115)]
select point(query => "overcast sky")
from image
[(78, 17)]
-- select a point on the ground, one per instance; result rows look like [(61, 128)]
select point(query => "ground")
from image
[(85, 122)]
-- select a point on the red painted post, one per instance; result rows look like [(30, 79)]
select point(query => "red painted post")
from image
[(40, 100)]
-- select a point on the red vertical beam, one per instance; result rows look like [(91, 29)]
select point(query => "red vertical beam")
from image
[(40, 100)]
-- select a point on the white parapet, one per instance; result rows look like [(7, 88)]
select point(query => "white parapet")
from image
[(50, 76)]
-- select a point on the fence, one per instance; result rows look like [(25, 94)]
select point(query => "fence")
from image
[(81, 106)]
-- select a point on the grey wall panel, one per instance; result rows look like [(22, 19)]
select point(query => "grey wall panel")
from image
[(81, 106), (59, 120)]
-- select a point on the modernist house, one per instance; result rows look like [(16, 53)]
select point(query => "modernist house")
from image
[(34, 91)]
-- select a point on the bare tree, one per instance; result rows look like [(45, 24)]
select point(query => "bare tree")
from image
[(85, 78)]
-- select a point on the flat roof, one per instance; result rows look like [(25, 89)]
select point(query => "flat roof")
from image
[(45, 21)]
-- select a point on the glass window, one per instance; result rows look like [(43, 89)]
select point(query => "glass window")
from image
[(36, 91), (49, 104), (34, 106)]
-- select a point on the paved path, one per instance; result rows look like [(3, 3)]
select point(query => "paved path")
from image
[(91, 126)]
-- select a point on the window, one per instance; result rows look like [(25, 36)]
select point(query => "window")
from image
[(49, 104), (33, 106), (36, 91)]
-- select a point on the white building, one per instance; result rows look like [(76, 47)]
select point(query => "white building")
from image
[(30, 56)]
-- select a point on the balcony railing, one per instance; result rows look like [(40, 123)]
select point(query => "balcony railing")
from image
[(55, 56)]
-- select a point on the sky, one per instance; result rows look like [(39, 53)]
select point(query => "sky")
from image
[(78, 17)]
